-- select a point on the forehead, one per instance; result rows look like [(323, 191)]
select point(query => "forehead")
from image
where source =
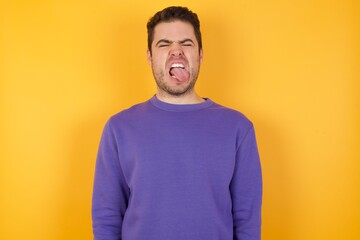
[(174, 30)]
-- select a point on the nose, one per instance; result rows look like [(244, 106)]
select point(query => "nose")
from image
[(176, 51)]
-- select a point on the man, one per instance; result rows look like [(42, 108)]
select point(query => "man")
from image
[(177, 167)]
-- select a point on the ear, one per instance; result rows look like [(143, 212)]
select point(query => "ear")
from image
[(149, 57), (201, 55)]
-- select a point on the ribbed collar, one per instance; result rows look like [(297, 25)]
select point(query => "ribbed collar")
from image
[(180, 107)]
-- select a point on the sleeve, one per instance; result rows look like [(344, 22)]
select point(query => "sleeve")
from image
[(246, 190), (110, 193)]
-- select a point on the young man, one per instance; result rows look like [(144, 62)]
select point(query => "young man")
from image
[(178, 166)]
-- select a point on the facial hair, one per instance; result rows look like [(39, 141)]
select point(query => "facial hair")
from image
[(181, 89)]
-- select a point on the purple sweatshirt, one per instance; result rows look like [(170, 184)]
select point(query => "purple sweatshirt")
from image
[(177, 172)]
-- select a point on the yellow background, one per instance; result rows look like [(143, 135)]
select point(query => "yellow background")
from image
[(291, 66)]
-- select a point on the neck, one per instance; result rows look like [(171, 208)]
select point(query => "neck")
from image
[(192, 98)]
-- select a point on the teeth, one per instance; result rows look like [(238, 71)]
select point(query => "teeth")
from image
[(177, 65)]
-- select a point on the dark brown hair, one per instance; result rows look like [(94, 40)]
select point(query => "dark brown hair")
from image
[(170, 14)]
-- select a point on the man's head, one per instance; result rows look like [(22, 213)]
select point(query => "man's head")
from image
[(175, 52), (171, 14)]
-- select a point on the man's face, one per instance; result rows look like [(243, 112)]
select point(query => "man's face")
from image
[(175, 58)]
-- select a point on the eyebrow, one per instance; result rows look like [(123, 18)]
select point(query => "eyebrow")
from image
[(168, 41)]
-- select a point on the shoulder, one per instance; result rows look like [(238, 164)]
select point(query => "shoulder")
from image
[(128, 116), (130, 113), (231, 115)]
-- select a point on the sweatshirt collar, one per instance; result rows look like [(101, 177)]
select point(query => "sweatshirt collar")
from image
[(180, 107)]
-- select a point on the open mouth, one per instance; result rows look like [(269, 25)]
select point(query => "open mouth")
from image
[(178, 71), (175, 66)]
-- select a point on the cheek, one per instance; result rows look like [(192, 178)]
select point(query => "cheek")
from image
[(196, 60), (158, 60)]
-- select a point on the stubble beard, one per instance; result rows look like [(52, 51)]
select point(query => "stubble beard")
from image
[(181, 89)]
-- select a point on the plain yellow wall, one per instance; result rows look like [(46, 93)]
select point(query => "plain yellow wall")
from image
[(291, 66)]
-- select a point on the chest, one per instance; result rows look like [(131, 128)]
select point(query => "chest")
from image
[(180, 152)]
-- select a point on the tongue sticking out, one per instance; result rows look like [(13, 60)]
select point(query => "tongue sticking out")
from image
[(180, 74)]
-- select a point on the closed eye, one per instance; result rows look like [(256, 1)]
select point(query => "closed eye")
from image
[(166, 43), (187, 45), (163, 43)]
